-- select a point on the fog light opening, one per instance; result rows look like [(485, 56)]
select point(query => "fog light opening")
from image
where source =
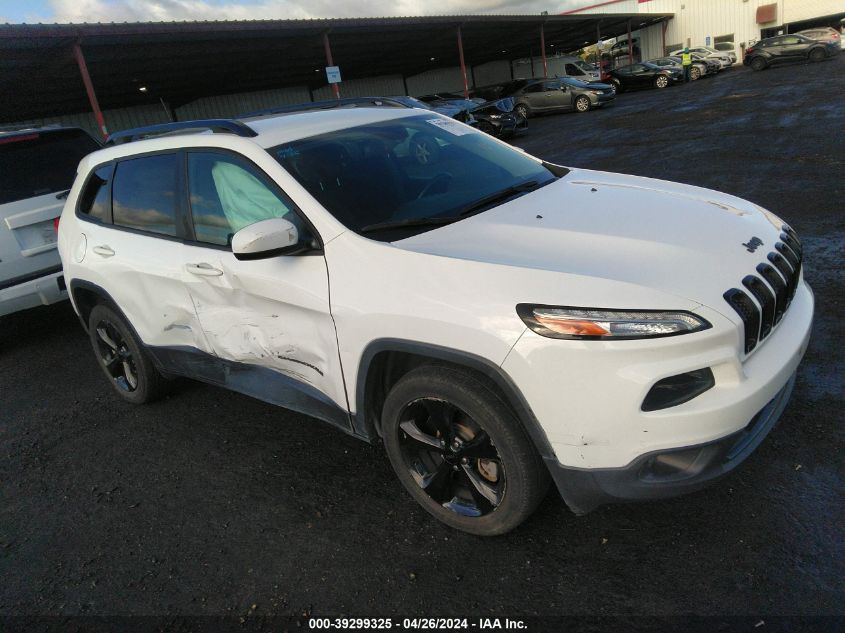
[(675, 390)]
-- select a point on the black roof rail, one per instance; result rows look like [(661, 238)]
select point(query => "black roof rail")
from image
[(229, 126), (350, 102)]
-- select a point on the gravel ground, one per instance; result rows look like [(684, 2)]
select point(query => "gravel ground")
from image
[(212, 503)]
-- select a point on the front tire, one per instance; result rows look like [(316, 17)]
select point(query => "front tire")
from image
[(121, 356), (695, 73), (460, 452), (582, 104), (522, 111), (661, 81)]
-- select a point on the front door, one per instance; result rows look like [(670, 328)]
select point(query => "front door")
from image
[(267, 320)]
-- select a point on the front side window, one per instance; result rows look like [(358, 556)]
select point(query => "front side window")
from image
[(227, 194), (402, 176), (145, 193), (94, 199), (572, 69)]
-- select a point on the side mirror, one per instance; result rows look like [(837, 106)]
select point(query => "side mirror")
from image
[(267, 238)]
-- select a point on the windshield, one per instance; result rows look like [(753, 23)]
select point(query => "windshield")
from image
[(585, 67), (417, 171), (37, 163)]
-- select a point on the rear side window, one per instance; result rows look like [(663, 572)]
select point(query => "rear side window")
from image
[(94, 200), (38, 163), (145, 193)]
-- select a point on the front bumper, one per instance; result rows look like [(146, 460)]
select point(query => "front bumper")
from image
[(667, 473), (42, 290)]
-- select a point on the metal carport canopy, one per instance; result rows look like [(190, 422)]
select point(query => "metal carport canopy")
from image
[(183, 61)]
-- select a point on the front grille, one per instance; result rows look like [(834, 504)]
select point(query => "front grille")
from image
[(773, 290)]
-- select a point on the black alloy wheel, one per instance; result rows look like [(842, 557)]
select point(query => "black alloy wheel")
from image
[(460, 452), (758, 63), (451, 457), (116, 356), (122, 357)]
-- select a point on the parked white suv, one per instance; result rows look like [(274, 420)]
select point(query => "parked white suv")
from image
[(726, 58), (37, 167), (493, 318)]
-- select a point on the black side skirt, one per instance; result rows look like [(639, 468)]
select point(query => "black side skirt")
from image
[(262, 383)]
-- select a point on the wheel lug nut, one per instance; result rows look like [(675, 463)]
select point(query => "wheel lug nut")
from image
[(454, 468), (464, 460)]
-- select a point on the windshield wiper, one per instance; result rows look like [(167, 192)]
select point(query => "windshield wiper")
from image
[(469, 209), (397, 224), (504, 194)]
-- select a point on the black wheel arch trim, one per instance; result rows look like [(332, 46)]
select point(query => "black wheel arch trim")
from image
[(370, 429)]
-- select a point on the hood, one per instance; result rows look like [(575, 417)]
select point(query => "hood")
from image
[(681, 240)]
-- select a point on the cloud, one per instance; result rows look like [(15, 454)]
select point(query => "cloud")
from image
[(166, 10)]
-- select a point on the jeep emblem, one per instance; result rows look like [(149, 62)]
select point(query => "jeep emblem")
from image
[(752, 244)]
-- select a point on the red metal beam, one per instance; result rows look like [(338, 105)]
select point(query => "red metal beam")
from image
[(543, 49), (463, 64), (89, 88), (330, 62)]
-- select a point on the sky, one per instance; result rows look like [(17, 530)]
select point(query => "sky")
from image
[(48, 11)]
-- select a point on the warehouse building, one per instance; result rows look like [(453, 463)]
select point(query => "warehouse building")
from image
[(711, 22)]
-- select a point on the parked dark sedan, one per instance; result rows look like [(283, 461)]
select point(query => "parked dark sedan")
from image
[(644, 75), (786, 48), (700, 66), (539, 96), (496, 117)]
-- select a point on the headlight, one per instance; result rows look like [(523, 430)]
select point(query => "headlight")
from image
[(596, 324), (597, 92)]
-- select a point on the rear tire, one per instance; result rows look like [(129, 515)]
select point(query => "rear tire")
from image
[(460, 452), (817, 55), (758, 63), (122, 358)]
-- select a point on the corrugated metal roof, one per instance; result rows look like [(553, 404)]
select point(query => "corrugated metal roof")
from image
[(183, 61)]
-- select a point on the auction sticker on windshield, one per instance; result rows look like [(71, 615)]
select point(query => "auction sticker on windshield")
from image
[(451, 126)]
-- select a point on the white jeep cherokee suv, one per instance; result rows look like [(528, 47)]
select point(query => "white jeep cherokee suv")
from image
[(493, 318)]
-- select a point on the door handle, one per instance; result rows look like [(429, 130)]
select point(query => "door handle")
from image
[(104, 250), (206, 270)]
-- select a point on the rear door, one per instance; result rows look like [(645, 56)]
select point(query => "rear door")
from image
[(36, 169), (268, 318), (131, 241)]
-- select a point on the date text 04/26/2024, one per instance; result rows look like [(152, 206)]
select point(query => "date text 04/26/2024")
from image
[(416, 624)]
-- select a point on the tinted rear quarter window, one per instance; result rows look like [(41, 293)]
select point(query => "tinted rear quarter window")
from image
[(95, 201), (145, 193), (37, 163)]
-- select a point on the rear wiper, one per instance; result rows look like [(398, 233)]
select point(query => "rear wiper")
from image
[(397, 224), (499, 196)]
